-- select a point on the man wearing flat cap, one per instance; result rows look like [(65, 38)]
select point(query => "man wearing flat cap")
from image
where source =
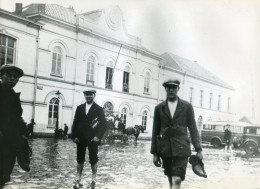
[(170, 139), (11, 122), (87, 130)]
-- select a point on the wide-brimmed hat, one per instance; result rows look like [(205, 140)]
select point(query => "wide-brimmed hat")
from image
[(172, 81), (89, 92), (197, 166), (10, 67)]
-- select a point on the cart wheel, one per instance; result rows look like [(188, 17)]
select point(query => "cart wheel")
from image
[(250, 148), (125, 138)]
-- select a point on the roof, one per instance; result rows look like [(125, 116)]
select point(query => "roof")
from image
[(53, 10), (191, 68)]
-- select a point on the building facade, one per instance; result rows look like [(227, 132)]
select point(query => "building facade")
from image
[(64, 53)]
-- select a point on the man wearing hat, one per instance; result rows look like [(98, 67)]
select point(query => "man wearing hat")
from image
[(170, 139), (87, 130), (10, 121)]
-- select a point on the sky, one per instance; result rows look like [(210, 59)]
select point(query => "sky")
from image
[(221, 35)]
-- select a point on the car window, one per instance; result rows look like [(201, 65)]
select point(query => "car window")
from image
[(258, 131)]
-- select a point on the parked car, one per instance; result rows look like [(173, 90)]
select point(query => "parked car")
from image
[(213, 132), (251, 139)]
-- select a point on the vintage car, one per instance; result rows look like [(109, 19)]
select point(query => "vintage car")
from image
[(213, 132), (251, 139)]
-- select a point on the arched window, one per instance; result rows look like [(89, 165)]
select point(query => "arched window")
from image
[(144, 119), (124, 115), (126, 79), (53, 111), (56, 61), (147, 79), (108, 107), (90, 68), (109, 75), (7, 49)]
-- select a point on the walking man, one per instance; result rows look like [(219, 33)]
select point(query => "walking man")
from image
[(12, 127), (87, 130), (170, 139), (227, 138)]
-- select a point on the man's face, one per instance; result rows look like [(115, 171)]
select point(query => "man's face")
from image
[(172, 91), (89, 97), (10, 79)]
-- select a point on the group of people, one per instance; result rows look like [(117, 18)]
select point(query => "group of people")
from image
[(170, 144)]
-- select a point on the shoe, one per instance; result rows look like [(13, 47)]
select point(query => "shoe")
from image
[(197, 166), (92, 185), (77, 184)]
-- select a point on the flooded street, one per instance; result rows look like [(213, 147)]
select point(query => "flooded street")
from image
[(53, 165)]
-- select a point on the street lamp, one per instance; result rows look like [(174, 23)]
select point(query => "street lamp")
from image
[(57, 119)]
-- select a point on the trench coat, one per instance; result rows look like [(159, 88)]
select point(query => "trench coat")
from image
[(176, 129), (82, 124)]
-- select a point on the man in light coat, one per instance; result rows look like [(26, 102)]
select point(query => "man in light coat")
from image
[(170, 139), (87, 130)]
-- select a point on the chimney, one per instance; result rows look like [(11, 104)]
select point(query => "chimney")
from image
[(18, 8)]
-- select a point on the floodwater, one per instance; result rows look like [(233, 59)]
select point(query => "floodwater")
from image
[(130, 166)]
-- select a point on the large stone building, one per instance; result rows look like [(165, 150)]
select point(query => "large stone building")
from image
[(60, 50)]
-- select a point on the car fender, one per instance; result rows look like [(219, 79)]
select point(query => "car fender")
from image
[(216, 137), (250, 140)]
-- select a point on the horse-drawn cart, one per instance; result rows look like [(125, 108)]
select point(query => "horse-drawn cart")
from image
[(113, 134)]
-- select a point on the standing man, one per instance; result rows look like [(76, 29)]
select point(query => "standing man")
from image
[(30, 128), (170, 139), (65, 131), (227, 138), (87, 130), (11, 123)]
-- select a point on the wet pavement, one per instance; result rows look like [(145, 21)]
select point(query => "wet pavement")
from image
[(130, 166)]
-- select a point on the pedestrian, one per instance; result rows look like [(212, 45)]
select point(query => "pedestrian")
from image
[(227, 138), (87, 130), (30, 127), (170, 139), (65, 130), (12, 127)]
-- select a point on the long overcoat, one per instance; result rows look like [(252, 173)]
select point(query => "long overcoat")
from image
[(82, 124), (176, 128)]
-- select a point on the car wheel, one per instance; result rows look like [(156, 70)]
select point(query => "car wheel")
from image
[(215, 142), (250, 148)]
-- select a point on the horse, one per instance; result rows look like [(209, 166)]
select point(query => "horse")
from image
[(135, 131)]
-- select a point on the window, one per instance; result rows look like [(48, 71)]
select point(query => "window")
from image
[(7, 45), (56, 61), (201, 98), (219, 102), (109, 75), (123, 115), (108, 107), (144, 119), (228, 105), (90, 69), (210, 100), (147, 79), (126, 79), (53, 111), (191, 95)]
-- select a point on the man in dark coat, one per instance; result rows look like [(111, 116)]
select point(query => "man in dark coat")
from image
[(87, 130), (227, 138), (170, 138), (12, 126)]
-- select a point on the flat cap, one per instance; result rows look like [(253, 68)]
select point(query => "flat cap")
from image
[(171, 82), (10, 67), (89, 91)]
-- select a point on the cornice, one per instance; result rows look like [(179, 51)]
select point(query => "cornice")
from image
[(20, 19)]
